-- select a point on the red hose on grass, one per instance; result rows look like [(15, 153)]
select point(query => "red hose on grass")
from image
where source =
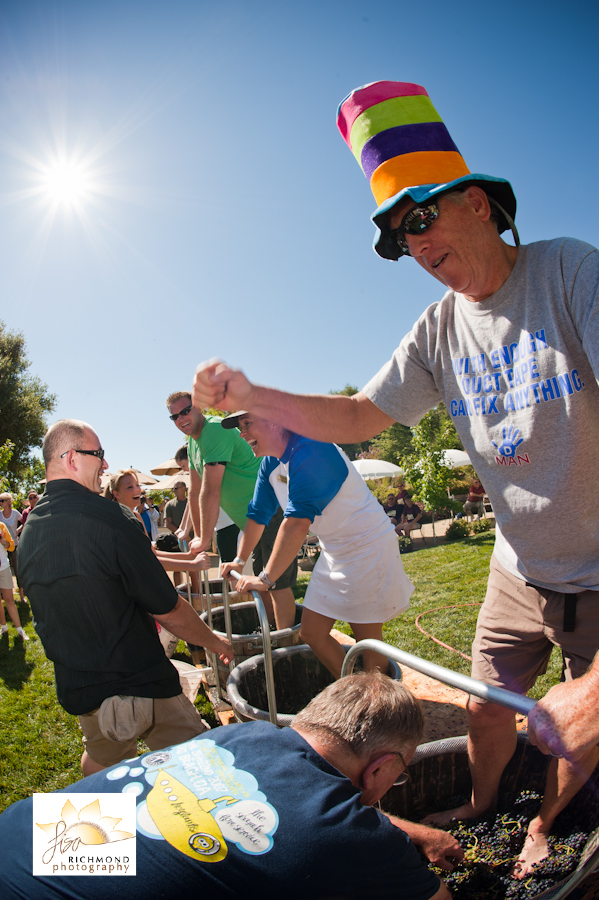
[(436, 640)]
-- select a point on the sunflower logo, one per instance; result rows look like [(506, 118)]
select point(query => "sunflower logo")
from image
[(88, 826)]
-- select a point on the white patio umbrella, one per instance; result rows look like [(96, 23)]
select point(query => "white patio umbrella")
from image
[(167, 484), (376, 468), (453, 459), (168, 467), (143, 478)]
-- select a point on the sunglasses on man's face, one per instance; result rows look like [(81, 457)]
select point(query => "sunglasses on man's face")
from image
[(414, 222), (184, 412), (99, 453)]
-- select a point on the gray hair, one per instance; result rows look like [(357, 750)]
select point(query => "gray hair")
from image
[(368, 713), (63, 435), (457, 196)]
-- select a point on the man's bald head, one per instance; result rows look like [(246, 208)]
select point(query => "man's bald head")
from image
[(65, 434), (72, 450)]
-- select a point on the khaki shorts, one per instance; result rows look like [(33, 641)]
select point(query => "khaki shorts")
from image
[(175, 720), (518, 626), (6, 579)]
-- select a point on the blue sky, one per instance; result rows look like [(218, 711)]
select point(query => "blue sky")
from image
[(222, 214)]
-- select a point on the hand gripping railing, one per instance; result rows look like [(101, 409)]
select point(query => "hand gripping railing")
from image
[(267, 650), (206, 603), (517, 702)]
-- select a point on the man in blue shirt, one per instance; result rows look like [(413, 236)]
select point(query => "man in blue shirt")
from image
[(251, 811)]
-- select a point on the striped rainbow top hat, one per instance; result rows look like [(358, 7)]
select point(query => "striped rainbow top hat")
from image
[(404, 149)]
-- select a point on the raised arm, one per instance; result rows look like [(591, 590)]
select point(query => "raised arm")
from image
[(321, 417)]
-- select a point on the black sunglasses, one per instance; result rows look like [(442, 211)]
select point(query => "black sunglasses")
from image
[(184, 412), (99, 453), (415, 222)]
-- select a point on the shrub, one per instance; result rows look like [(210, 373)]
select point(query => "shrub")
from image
[(481, 525), (458, 530), (405, 543)]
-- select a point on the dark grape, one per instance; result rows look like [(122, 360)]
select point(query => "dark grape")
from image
[(493, 843)]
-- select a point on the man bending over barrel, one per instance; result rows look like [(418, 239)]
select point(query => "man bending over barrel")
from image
[(256, 811)]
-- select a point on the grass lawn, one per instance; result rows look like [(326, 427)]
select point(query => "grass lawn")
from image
[(448, 575), (40, 744)]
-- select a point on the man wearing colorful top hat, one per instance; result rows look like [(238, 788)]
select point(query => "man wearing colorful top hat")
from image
[(513, 351)]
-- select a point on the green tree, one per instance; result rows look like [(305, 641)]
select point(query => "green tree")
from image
[(428, 477), (25, 401), (353, 451), (390, 444), (442, 430), (32, 477), (5, 455), (394, 443)]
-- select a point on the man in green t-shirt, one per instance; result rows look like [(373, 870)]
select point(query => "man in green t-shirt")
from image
[(223, 472)]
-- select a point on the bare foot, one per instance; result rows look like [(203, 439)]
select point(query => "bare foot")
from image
[(442, 818), (534, 850)]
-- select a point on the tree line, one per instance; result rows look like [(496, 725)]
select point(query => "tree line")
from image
[(25, 403)]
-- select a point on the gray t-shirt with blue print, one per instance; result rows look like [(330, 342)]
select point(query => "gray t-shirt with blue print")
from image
[(518, 374)]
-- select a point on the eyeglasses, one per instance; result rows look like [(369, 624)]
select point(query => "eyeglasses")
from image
[(415, 222), (405, 776), (98, 453), (184, 412)]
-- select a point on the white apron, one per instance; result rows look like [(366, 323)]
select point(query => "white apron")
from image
[(359, 576)]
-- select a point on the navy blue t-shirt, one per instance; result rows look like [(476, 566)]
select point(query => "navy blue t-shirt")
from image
[(242, 811)]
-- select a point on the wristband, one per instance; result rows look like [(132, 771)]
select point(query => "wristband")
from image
[(238, 561), (264, 577)]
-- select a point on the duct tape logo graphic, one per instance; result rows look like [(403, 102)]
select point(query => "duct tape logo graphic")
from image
[(84, 834)]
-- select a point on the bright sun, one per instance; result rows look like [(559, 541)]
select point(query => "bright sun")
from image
[(66, 183)]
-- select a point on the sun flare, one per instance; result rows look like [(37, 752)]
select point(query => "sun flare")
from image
[(67, 183)]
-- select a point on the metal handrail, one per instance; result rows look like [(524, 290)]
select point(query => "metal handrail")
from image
[(267, 650), (209, 653), (227, 612), (517, 702)]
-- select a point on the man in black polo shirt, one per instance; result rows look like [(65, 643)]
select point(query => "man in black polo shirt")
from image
[(95, 587)]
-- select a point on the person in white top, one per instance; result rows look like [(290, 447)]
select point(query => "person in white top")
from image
[(359, 576)]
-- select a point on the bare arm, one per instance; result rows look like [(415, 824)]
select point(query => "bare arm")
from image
[(182, 532), (183, 562), (289, 539), (439, 847), (209, 507), (566, 721), (250, 536), (195, 487), (184, 622), (320, 417)]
